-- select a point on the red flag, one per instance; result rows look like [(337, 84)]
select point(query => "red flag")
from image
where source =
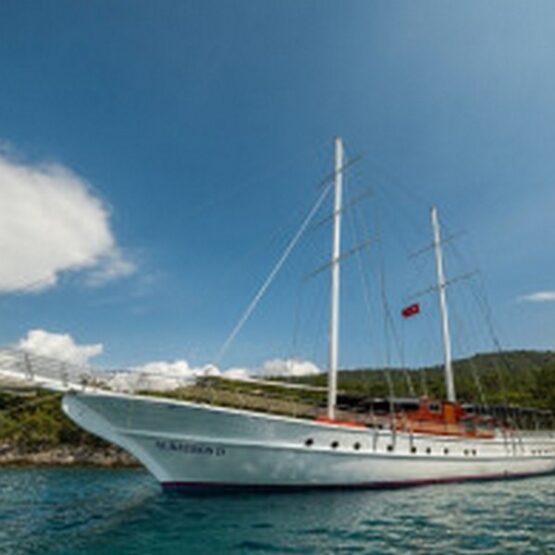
[(411, 310)]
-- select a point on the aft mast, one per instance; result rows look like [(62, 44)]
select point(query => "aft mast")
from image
[(334, 308), (441, 285)]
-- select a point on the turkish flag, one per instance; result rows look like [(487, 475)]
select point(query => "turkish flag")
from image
[(411, 310)]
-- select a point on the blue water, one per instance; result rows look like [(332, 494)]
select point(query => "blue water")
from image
[(125, 512)]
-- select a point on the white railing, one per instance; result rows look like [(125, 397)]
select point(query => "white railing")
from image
[(21, 368)]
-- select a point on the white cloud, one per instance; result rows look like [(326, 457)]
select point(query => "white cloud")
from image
[(165, 376), (237, 374), (111, 266), (52, 222), (539, 297), (160, 376), (60, 346), (156, 375), (289, 367)]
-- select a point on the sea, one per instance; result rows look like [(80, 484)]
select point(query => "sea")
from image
[(84, 511)]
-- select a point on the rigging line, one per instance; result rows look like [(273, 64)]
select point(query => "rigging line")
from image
[(365, 287), (385, 304), (482, 302), (424, 383), (398, 185), (346, 207), (296, 320), (459, 339), (318, 333), (307, 253), (353, 222), (389, 208), (346, 254), (396, 201), (497, 343), (389, 321), (261, 243), (272, 274), (389, 324), (391, 390), (364, 276), (430, 247), (435, 287), (239, 188), (328, 179)]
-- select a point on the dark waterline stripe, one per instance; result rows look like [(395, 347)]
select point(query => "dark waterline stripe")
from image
[(215, 487)]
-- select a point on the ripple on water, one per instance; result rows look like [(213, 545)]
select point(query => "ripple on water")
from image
[(90, 512)]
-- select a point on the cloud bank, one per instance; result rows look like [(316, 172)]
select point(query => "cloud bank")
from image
[(539, 297), (289, 367), (160, 376), (52, 222), (157, 375), (60, 346), (165, 376)]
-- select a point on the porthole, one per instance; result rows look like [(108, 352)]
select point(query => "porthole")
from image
[(309, 442), (413, 450), (356, 446), (466, 452), (390, 447), (334, 444), (428, 450), (446, 451), (474, 452)]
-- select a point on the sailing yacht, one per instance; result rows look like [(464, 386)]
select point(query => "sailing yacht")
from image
[(192, 445), (199, 445)]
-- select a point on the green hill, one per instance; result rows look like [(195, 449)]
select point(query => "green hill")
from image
[(36, 420), (521, 378), (518, 378)]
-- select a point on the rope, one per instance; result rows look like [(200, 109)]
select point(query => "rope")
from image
[(272, 275)]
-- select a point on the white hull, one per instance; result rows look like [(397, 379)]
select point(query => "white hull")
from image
[(186, 444)]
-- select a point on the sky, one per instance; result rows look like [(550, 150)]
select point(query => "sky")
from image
[(155, 160)]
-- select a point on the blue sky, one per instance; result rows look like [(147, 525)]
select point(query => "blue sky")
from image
[(204, 128)]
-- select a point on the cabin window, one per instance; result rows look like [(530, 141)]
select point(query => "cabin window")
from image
[(466, 452), (474, 452), (390, 447), (428, 450), (446, 451), (434, 407), (356, 446), (413, 450), (469, 425), (334, 444), (309, 442)]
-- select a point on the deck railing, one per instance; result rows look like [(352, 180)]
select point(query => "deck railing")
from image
[(22, 369)]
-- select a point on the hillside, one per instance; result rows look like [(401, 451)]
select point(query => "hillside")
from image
[(35, 423), (34, 430), (521, 378)]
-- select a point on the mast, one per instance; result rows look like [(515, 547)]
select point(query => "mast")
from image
[(441, 285), (334, 305)]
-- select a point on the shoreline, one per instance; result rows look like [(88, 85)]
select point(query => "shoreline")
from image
[(67, 456)]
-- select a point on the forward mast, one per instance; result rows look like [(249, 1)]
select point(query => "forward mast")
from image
[(335, 277)]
